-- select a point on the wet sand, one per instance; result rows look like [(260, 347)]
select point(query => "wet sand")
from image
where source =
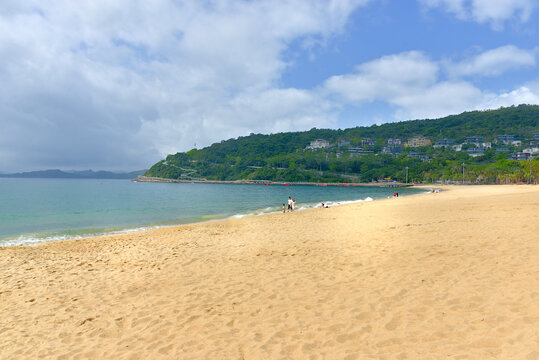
[(449, 275)]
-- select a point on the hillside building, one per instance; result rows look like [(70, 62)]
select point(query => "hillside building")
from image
[(393, 150), (368, 142), (318, 144), (417, 141), (443, 143), (414, 155), (477, 140), (475, 152), (521, 156), (516, 143), (505, 139), (359, 151), (533, 150)]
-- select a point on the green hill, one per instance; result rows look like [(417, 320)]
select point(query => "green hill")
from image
[(284, 156)]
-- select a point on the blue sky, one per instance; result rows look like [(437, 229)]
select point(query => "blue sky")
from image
[(399, 26), (120, 84)]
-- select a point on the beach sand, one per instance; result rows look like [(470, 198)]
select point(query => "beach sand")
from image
[(449, 275)]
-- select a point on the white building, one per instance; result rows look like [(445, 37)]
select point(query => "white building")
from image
[(531, 150), (516, 143), (318, 144)]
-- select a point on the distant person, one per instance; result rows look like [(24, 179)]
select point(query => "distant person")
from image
[(284, 208), (293, 204), (289, 203)]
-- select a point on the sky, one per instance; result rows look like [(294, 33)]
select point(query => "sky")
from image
[(119, 84)]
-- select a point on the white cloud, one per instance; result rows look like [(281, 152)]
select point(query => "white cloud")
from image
[(386, 78), (453, 6), (122, 83), (269, 111), (526, 94), (495, 12), (494, 62), (440, 99), (412, 84), (408, 81)]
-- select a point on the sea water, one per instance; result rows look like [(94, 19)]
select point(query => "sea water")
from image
[(35, 210)]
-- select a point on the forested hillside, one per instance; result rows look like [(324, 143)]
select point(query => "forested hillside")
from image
[(360, 157)]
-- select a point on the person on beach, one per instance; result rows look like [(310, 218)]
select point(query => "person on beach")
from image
[(293, 204), (284, 208), (289, 203)]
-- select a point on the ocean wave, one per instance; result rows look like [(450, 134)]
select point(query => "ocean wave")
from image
[(300, 207), (343, 202), (33, 239)]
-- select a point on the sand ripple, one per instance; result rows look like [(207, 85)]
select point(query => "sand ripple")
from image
[(452, 275)]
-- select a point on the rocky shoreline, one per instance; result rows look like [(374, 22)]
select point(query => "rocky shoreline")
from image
[(266, 182)]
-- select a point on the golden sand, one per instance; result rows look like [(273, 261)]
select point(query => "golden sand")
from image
[(450, 275)]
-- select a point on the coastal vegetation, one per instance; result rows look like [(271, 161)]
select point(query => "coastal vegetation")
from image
[(377, 152)]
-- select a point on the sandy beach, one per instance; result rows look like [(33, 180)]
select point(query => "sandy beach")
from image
[(449, 275)]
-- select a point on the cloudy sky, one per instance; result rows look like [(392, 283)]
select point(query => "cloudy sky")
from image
[(119, 84)]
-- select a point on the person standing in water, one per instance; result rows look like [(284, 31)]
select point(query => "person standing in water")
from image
[(293, 204), (289, 203)]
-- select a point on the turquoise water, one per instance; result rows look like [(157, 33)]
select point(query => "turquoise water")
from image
[(33, 210)]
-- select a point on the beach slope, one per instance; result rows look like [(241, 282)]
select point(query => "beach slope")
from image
[(449, 275)]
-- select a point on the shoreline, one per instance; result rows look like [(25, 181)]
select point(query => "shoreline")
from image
[(449, 275), (24, 240), (267, 182)]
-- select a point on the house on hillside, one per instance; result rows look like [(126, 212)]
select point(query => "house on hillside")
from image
[(443, 143), (368, 142), (392, 141), (505, 139), (414, 155), (516, 142), (475, 152), (476, 140), (318, 144), (343, 143), (417, 141), (533, 150), (521, 156), (359, 152), (393, 150)]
